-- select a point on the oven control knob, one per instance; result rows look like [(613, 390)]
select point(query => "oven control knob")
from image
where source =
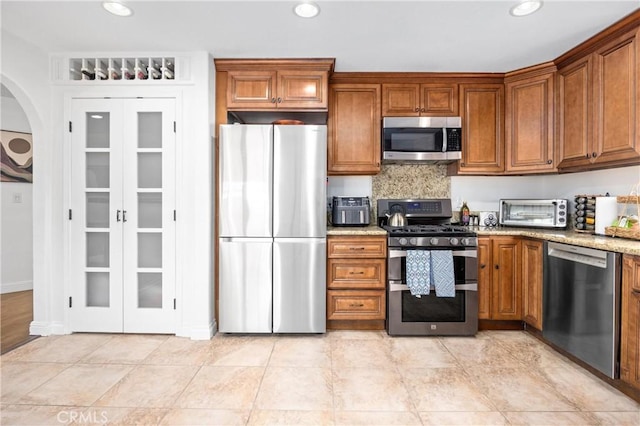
[(402, 241), (413, 241), (453, 241), (433, 241), (466, 242)]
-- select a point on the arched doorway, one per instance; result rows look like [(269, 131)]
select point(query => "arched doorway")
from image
[(16, 242)]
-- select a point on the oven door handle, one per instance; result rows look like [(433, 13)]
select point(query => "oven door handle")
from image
[(398, 286), (456, 253)]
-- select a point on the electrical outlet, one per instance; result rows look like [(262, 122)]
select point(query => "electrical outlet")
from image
[(17, 197)]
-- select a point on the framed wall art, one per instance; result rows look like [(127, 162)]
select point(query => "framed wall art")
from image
[(17, 156)]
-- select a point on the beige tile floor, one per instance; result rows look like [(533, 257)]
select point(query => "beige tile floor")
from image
[(341, 378)]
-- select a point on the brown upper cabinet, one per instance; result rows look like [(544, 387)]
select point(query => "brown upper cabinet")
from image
[(354, 129), (409, 100), (482, 110), (529, 120), (598, 118), (283, 84)]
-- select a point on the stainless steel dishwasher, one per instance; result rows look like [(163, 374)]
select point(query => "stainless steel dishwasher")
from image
[(581, 304)]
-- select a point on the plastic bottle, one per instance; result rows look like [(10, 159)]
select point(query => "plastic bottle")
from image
[(464, 214)]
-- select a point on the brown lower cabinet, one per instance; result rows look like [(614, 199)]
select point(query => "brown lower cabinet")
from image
[(356, 277), (630, 331), (499, 278), (532, 276)]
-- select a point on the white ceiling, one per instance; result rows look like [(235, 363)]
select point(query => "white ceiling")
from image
[(428, 35)]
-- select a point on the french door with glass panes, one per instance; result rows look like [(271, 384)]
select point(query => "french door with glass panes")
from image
[(122, 217)]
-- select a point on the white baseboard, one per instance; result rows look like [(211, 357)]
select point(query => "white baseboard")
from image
[(41, 328), (203, 333), (16, 286)]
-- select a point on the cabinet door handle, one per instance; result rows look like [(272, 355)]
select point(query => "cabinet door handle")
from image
[(279, 100), (417, 109), (549, 161), (497, 266), (422, 110), (461, 164), (483, 266), (588, 155), (117, 215), (635, 290), (273, 100), (356, 305), (124, 215), (356, 273), (594, 155), (356, 248)]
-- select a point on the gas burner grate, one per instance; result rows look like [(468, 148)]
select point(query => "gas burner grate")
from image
[(426, 229)]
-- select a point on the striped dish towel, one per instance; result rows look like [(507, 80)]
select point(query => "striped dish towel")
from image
[(418, 271), (442, 274)]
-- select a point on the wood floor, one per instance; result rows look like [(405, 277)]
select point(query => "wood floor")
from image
[(17, 314)]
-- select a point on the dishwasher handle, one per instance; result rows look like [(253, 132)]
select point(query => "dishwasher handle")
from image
[(584, 255)]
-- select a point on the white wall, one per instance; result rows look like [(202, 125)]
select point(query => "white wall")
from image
[(484, 192), (16, 236), (24, 70), (349, 186)]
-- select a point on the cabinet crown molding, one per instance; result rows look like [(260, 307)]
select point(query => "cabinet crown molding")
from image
[(532, 71), (630, 22), (318, 64)]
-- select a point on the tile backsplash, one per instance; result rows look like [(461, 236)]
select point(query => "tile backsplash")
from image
[(412, 181), (393, 181)]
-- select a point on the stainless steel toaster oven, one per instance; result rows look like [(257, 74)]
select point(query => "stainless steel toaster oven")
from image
[(548, 213)]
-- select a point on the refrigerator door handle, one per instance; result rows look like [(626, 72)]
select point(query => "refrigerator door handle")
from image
[(245, 240)]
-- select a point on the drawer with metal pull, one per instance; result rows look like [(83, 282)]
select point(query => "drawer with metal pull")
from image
[(356, 304), (356, 273)]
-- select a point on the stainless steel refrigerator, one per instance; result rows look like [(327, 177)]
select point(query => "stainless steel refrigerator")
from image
[(272, 217)]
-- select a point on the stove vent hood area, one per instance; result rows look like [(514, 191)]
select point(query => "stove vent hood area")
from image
[(272, 117), (421, 158)]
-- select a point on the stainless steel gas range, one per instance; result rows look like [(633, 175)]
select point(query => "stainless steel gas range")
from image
[(428, 228)]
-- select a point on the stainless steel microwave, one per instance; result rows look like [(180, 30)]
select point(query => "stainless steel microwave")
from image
[(421, 139), (549, 213)]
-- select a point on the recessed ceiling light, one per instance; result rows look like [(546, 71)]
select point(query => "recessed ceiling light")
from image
[(526, 7), (96, 116), (117, 8), (306, 9)]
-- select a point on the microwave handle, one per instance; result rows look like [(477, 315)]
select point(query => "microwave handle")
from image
[(444, 139)]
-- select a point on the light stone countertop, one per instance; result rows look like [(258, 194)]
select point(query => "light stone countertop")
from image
[(600, 242), (355, 230)]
